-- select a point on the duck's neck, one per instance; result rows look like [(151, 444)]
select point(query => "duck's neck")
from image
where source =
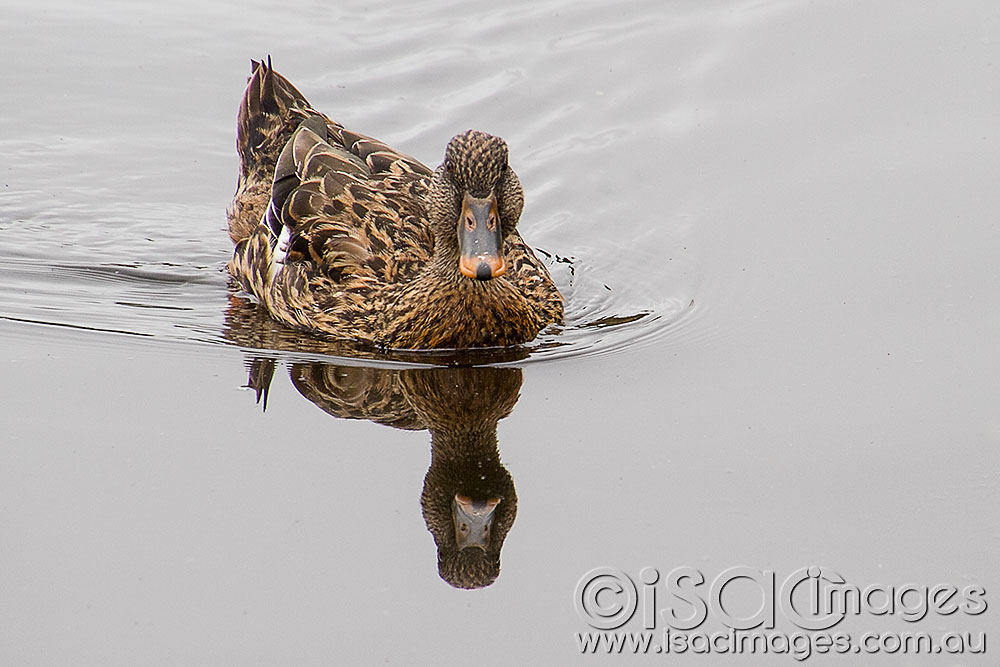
[(472, 445), (441, 308)]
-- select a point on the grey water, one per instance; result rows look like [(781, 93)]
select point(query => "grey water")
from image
[(775, 225)]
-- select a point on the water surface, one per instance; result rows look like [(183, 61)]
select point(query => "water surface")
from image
[(775, 226)]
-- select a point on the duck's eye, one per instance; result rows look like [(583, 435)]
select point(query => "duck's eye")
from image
[(449, 166)]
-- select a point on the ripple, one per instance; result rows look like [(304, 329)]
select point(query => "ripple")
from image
[(602, 318), (611, 305)]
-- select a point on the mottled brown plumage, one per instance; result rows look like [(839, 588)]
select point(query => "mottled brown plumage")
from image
[(337, 232)]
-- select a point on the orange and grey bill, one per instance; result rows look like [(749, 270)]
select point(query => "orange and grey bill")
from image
[(480, 241)]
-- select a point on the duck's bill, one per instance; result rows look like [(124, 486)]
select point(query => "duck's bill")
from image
[(480, 242), (473, 521)]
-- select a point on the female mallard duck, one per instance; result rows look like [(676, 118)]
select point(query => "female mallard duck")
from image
[(336, 232)]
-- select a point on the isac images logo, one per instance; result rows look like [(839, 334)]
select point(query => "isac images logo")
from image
[(815, 600)]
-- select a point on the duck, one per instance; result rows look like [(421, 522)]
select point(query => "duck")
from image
[(339, 234)]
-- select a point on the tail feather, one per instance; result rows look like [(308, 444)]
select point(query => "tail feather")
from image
[(270, 111)]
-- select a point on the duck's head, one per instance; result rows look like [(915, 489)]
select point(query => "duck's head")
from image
[(476, 201), (473, 521)]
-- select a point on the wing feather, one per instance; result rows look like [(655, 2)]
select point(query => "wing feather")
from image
[(348, 205)]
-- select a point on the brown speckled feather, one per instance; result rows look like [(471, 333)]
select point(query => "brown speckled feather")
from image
[(336, 232), (269, 113)]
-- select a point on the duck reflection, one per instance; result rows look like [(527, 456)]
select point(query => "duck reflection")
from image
[(468, 497)]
